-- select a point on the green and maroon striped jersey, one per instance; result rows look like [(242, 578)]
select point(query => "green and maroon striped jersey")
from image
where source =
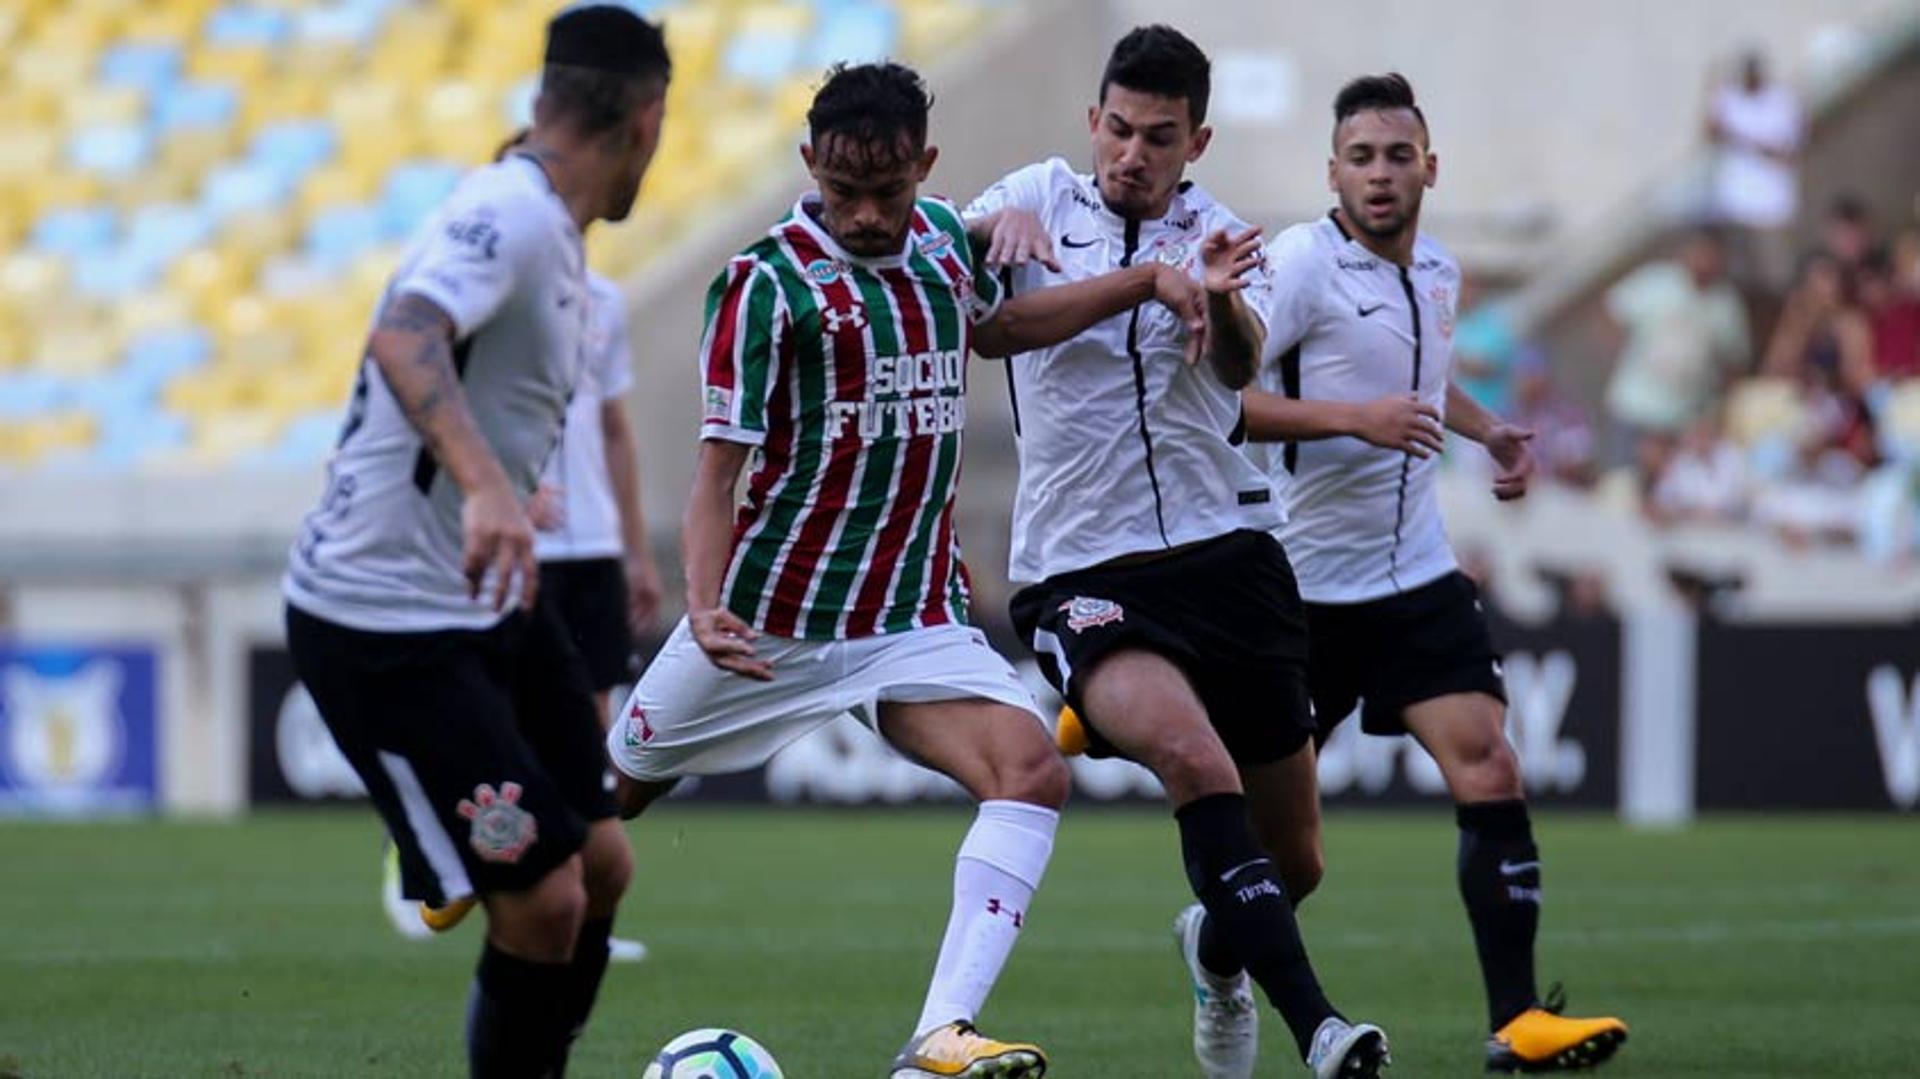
[(849, 375)]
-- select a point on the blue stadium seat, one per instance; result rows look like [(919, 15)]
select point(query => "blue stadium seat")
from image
[(26, 394), (115, 273), (74, 230), (295, 147), (155, 358), (306, 441), (242, 187), (196, 104), (412, 191), (854, 31), (164, 231), (342, 24), (339, 234), (246, 24), (761, 59), (151, 66), (127, 438), (115, 150)]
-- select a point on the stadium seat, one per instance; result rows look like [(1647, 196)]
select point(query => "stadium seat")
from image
[(239, 187), (766, 44), (852, 31), (411, 193), (247, 24), (72, 230), (294, 148), (340, 234), (103, 104), (115, 152), (147, 66), (197, 104)]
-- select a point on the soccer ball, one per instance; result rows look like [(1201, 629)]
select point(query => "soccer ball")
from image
[(713, 1054)]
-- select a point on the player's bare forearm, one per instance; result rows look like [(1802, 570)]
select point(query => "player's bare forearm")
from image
[(1467, 417), (1049, 316), (413, 346), (623, 472), (707, 535), (1233, 339), (1273, 418)]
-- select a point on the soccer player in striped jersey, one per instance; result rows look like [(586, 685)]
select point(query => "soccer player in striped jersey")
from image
[(835, 358)]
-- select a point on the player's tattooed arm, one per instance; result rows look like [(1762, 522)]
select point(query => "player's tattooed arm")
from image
[(412, 345)]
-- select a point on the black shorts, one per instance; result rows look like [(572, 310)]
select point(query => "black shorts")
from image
[(1226, 611), (1400, 650), (480, 748), (591, 596)]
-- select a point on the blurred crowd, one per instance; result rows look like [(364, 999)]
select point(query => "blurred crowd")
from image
[(1750, 382)]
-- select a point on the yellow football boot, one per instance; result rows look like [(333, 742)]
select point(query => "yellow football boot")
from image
[(441, 919), (959, 1050), (1069, 733), (1542, 1040)]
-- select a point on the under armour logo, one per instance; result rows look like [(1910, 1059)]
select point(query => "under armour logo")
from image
[(994, 906), (853, 318)]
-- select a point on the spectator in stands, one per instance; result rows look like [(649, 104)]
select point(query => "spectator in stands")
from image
[(1905, 256), (1847, 234), (1563, 443), (1756, 125), (1685, 334), (1701, 476), (1892, 309), (1823, 336), (1484, 348)]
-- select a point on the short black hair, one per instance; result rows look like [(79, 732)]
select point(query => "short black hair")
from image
[(877, 110), (1164, 62), (602, 63), (1371, 93)]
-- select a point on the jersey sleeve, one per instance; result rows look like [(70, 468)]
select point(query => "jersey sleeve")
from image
[(1291, 274), (469, 266), (614, 366), (746, 328), (1022, 189)]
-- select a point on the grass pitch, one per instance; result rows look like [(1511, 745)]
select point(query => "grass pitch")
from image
[(1741, 947)]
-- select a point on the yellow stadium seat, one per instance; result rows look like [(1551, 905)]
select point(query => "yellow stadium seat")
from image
[(28, 280), (75, 25), (197, 149), (207, 392), (338, 184), (694, 38), (462, 120), (414, 48), (159, 23), (928, 30), (13, 346), (74, 346), (28, 106), (245, 65), (285, 96), (334, 60), (147, 312), (12, 21), (27, 152), (24, 442), (257, 235), (88, 106), (209, 276), (220, 437), (56, 190)]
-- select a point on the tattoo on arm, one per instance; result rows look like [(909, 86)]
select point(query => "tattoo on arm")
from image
[(413, 346)]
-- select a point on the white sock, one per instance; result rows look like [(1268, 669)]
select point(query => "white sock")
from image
[(994, 877)]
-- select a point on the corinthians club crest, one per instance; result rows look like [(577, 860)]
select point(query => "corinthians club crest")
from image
[(1084, 613), (502, 831)]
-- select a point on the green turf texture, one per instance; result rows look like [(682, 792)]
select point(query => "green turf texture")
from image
[(1740, 947)]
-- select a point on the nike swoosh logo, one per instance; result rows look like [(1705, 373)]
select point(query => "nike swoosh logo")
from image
[(1511, 869), (1068, 241), (1227, 877), (1365, 310)]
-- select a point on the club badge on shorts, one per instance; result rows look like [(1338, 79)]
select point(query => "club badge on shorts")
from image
[(1084, 613), (502, 831), (639, 731)]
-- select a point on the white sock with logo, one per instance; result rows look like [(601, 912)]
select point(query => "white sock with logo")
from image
[(999, 866)]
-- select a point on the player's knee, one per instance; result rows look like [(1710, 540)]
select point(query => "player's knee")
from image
[(608, 868), (1301, 871), (1486, 769), (1193, 765), (1033, 773), (542, 922)]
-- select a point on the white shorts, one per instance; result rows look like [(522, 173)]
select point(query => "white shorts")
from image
[(689, 717)]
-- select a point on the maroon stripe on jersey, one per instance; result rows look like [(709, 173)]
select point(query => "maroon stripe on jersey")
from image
[(720, 367), (915, 473), (936, 610), (777, 452), (848, 348)]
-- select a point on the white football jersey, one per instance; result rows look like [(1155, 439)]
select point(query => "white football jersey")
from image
[(1123, 447), (1344, 324), (579, 467), (382, 550)]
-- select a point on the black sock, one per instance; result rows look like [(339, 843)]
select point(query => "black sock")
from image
[(517, 1016), (1500, 883), (583, 975), (1216, 951), (1245, 901)]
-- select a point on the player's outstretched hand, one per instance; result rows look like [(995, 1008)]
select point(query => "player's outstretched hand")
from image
[(547, 509), (1404, 423), (498, 540), (1226, 259), (1018, 238), (1510, 448), (728, 643), (1186, 298)]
